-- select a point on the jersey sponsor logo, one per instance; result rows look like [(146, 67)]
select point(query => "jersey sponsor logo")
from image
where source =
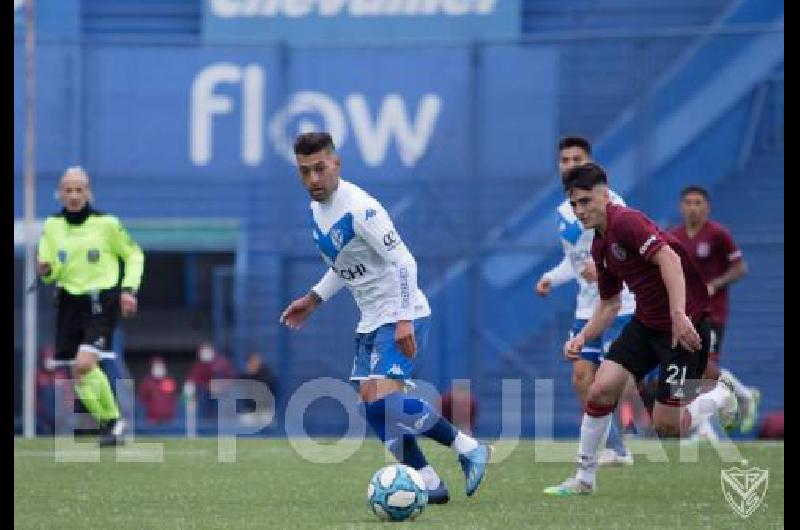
[(396, 370), (646, 245), (370, 214), (93, 255), (337, 238), (404, 288), (618, 252), (703, 249), (390, 239), (351, 273)]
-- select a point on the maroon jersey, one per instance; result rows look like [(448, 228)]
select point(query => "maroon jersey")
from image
[(712, 250), (624, 252)]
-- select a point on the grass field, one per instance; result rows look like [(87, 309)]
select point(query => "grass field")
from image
[(271, 486)]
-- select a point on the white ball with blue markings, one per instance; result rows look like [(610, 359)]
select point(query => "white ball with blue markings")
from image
[(397, 493)]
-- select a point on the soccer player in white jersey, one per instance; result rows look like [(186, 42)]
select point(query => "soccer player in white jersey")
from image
[(578, 265), (364, 252)]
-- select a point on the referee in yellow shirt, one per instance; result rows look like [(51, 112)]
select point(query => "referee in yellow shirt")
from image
[(80, 250)]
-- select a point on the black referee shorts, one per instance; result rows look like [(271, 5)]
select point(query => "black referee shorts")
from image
[(639, 349), (82, 322)]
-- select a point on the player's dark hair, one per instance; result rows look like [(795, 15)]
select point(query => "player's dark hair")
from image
[(313, 142), (694, 188), (575, 141), (584, 177)]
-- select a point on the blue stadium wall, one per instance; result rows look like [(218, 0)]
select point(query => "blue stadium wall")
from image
[(456, 140)]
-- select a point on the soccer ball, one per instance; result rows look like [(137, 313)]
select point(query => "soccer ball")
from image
[(397, 493)]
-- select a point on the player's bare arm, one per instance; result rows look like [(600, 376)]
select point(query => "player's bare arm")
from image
[(683, 331), (604, 314), (734, 273), (404, 337), (543, 287), (296, 314), (589, 272), (556, 276), (43, 269)]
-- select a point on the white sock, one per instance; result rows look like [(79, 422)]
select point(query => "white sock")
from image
[(430, 477), (463, 444), (706, 405), (706, 430), (741, 391), (592, 433)]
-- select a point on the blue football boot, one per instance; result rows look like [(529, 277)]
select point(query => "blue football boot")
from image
[(474, 466)]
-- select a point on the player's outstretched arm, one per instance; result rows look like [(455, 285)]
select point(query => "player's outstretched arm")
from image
[(556, 276), (296, 314), (298, 311)]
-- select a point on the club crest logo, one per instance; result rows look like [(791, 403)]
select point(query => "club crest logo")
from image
[(744, 489), (337, 238), (703, 249), (618, 252)]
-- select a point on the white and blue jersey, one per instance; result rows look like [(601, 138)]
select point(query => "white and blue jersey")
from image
[(358, 241), (577, 245)]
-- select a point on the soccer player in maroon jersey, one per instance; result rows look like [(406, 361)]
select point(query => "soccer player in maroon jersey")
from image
[(670, 328), (720, 263)]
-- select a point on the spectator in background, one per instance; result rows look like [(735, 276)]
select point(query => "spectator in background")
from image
[(158, 393), (772, 426), (256, 369), (47, 373), (459, 407), (209, 365)]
